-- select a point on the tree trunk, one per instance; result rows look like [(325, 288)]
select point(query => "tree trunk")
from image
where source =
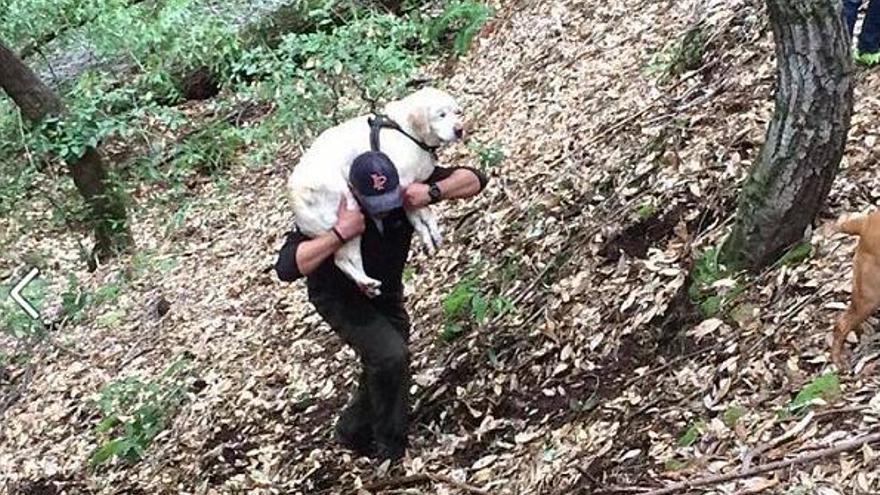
[(36, 101), (806, 137)]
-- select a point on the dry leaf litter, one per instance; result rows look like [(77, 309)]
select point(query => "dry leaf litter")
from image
[(587, 385)]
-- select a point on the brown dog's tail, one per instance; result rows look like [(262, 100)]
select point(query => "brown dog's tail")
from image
[(851, 225)]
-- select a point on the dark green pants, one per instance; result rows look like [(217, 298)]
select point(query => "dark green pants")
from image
[(378, 331)]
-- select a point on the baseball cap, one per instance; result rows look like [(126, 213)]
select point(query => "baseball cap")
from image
[(375, 181)]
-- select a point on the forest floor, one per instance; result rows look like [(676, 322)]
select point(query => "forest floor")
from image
[(603, 377)]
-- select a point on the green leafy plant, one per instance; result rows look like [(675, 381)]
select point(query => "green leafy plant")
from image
[(460, 21), (702, 291), (732, 415), (797, 254), (683, 54), (134, 411), (13, 319), (674, 464), (309, 80), (692, 434), (74, 299), (489, 154), (211, 149), (467, 305), (646, 210), (825, 387)]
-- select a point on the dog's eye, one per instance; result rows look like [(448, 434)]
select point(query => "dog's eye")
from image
[(442, 115)]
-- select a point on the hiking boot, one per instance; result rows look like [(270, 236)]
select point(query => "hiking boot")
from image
[(354, 432), (359, 441), (868, 59), (385, 452)]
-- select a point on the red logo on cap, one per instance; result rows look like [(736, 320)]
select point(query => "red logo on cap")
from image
[(379, 181)]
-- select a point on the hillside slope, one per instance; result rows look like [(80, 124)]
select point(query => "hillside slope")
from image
[(602, 376)]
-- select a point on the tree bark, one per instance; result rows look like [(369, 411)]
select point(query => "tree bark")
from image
[(37, 101), (806, 137)]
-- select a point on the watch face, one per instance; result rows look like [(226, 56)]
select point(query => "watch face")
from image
[(434, 192)]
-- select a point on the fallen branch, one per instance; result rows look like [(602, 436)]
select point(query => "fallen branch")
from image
[(422, 478), (772, 444), (772, 466)]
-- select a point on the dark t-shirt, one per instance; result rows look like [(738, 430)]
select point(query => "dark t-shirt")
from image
[(384, 252)]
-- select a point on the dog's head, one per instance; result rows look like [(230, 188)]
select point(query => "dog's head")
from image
[(433, 115)]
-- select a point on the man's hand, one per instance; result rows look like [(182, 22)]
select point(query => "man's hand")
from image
[(349, 222), (416, 196)]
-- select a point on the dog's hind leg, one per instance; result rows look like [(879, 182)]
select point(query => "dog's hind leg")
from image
[(348, 259), (848, 321), (865, 300)]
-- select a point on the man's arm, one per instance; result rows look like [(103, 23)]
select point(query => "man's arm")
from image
[(455, 183), (301, 256)]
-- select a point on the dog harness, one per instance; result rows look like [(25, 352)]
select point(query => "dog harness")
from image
[(379, 121)]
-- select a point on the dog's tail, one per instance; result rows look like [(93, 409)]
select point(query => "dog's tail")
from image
[(851, 225)]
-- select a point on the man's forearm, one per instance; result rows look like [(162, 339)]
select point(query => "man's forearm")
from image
[(461, 184), (310, 254)]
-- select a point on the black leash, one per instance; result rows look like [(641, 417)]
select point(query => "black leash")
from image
[(378, 121)]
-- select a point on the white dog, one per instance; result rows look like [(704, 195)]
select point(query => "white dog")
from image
[(320, 180)]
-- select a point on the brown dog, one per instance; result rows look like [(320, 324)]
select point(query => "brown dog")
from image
[(866, 278)]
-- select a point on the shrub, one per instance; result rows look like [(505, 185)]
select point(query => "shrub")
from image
[(135, 411)]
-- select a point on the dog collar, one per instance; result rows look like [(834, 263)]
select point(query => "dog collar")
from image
[(378, 121)]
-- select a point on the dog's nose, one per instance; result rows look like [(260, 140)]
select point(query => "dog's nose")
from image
[(459, 132)]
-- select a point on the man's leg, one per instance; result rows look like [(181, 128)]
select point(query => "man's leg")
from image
[(869, 39), (850, 13), (354, 429), (394, 310), (385, 357)]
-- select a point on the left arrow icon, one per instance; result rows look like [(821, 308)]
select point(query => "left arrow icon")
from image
[(16, 296)]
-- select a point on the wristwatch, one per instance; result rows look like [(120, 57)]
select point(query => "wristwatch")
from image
[(434, 193)]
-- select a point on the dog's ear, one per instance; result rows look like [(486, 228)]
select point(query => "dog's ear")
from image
[(418, 121)]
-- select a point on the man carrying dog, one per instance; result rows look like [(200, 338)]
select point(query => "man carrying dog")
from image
[(375, 422)]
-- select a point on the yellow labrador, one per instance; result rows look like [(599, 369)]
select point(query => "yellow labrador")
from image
[(317, 184)]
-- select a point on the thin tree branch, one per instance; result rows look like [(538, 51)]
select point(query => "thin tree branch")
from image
[(772, 466), (422, 478)]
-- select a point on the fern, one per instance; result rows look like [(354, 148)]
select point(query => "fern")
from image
[(464, 18)]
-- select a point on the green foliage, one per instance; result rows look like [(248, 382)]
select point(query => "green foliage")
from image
[(25, 22), (674, 465), (166, 41), (308, 71), (692, 434), (702, 291), (460, 21), (146, 261), (797, 254), (646, 210), (206, 152), (96, 110), (489, 154), (825, 387), (13, 319), (467, 305), (74, 299), (134, 411), (681, 55), (312, 81), (732, 415)]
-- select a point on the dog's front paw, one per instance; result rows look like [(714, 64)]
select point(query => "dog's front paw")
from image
[(434, 233), (427, 238), (370, 287)]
